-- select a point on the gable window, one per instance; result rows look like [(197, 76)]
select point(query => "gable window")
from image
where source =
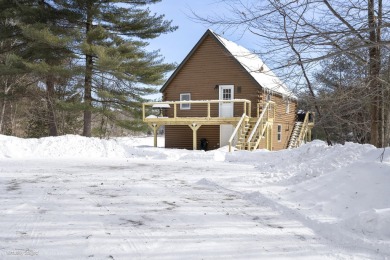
[(185, 97), (279, 133), (268, 98)]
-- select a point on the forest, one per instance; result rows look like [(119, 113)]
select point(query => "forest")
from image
[(77, 67), (335, 54), (81, 67)]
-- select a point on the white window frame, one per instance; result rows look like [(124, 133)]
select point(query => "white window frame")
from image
[(230, 94), (182, 98), (279, 133)]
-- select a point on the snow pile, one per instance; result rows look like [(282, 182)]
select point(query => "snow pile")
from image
[(74, 146), (54, 147), (311, 160), (373, 223), (340, 193)]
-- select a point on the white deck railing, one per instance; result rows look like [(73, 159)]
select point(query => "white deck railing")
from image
[(168, 105)]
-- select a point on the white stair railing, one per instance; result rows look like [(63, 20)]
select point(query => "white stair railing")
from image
[(237, 131), (262, 123)]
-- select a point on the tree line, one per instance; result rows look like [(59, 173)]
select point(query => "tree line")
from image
[(77, 66), (81, 66), (336, 53)]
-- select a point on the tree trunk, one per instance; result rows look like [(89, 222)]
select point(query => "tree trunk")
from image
[(88, 97), (4, 107), (13, 129), (386, 98), (387, 122), (2, 114), (381, 130), (373, 77), (50, 106), (88, 80)]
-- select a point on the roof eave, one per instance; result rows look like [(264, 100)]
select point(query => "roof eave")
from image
[(242, 66)]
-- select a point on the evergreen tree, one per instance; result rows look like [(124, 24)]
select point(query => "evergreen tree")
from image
[(105, 39), (43, 39), (113, 42)]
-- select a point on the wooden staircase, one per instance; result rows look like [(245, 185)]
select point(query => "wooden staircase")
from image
[(249, 133), (243, 137), (302, 131), (293, 142)]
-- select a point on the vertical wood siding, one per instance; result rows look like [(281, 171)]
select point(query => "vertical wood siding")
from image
[(286, 120), (181, 136), (209, 66)]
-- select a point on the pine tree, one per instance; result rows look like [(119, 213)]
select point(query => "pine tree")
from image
[(42, 46), (107, 38), (113, 42)]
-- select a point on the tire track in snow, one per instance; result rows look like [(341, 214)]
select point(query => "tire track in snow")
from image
[(344, 241), (29, 217), (113, 224)]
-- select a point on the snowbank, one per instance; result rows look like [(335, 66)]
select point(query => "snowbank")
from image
[(341, 191), (74, 146)]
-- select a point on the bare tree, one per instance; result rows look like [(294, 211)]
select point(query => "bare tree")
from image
[(12, 88), (341, 94), (296, 35)]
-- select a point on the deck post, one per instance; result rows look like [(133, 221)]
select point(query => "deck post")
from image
[(194, 127), (269, 138), (155, 127)]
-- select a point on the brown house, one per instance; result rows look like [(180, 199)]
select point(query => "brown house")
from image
[(222, 94)]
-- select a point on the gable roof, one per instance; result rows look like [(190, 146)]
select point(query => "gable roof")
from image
[(249, 61)]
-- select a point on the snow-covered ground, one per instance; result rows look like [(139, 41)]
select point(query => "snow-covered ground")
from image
[(72, 197)]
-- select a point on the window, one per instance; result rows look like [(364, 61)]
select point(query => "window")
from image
[(226, 94), (268, 98), (185, 97), (279, 133)]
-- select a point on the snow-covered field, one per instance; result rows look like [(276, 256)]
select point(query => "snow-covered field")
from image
[(72, 197)]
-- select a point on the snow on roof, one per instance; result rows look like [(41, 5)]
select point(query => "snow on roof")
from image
[(256, 67)]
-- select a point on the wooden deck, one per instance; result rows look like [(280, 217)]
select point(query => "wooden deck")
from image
[(207, 118), (153, 114), (248, 130), (190, 120)]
